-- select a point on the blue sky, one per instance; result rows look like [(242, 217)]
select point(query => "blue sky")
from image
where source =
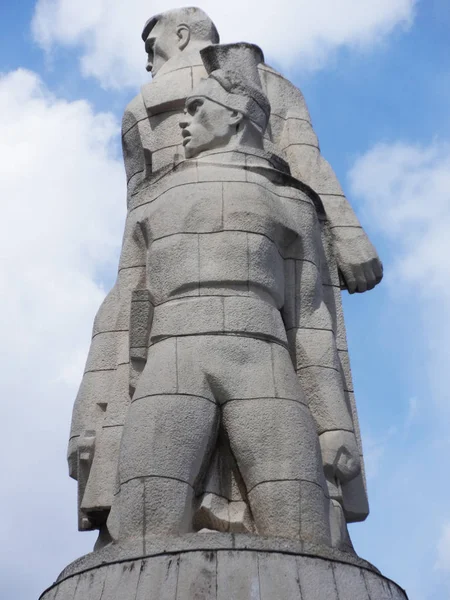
[(377, 83)]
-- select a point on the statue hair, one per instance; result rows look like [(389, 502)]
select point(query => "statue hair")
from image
[(200, 24)]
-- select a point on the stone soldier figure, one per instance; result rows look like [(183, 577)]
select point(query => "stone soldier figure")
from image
[(214, 437), (227, 254), (151, 149)]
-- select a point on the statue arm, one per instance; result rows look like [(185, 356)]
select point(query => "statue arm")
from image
[(355, 255), (312, 344), (294, 136), (109, 346)]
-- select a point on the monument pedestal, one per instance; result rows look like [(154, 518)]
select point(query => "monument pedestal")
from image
[(212, 566)]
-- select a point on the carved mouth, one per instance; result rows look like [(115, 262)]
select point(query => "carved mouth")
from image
[(186, 136)]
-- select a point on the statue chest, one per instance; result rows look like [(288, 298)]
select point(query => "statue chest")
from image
[(220, 206), (213, 237)]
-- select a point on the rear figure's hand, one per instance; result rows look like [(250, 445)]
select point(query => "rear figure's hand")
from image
[(357, 259)]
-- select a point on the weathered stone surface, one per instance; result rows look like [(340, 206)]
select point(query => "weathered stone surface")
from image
[(278, 577), (246, 585), (197, 576), (223, 573), (91, 585), (155, 545), (66, 589), (379, 588), (350, 582), (159, 578), (113, 580), (316, 580)]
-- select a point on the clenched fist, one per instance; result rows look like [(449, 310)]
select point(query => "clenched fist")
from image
[(340, 455), (357, 259)]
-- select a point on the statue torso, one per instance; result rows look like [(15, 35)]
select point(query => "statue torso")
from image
[(215, 230)]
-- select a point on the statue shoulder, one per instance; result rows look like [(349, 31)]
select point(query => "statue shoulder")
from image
[(284, 96), (134, 112)]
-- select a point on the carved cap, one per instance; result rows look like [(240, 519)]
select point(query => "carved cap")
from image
[(234, 80)]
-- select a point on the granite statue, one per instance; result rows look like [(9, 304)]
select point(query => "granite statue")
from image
[(152, 146), (216, 411), (228, 254)]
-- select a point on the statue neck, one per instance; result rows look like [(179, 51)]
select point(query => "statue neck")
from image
[(188, 58)]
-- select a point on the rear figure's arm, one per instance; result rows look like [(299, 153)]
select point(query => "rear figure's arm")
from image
[(294, 136)]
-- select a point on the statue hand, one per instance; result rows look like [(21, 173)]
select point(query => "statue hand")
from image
[(357, 259), (340, 455)]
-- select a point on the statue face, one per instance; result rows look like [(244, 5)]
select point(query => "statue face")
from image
[(206, 125), (160, 45)]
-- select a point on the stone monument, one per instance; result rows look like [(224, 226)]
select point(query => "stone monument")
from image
[(215, 437)]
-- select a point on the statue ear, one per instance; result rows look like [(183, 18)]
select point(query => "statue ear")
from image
[(184, 36), (236, 118)]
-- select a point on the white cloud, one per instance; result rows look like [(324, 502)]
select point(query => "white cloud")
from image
[(63, 199), (404, 190), (291, 32)]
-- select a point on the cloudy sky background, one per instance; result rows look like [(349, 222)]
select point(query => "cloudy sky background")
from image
[(376, 76)]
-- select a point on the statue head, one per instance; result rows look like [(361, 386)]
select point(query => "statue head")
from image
[(228, 108), (172, 32)]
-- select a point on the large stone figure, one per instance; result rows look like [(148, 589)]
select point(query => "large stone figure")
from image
[(215, 420), (152, 146), (229, 252)]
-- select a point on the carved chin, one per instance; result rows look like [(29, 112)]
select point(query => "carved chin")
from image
[(189, 152)]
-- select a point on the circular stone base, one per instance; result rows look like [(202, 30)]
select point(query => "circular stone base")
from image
[(222, 567)]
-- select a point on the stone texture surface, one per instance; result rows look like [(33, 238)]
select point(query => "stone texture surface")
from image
[(225, 573)]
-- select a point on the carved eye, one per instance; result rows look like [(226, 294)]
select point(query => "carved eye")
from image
[(194, 105)]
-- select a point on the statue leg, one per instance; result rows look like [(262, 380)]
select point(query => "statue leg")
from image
[(166, 440), (274, 441)]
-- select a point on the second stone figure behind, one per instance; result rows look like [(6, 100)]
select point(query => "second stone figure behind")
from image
[(238, 419)]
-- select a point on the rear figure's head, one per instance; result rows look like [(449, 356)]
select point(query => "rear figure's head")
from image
[(174, 31)]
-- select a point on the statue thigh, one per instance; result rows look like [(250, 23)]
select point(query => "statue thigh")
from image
[(166, 444), (274, 441)]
